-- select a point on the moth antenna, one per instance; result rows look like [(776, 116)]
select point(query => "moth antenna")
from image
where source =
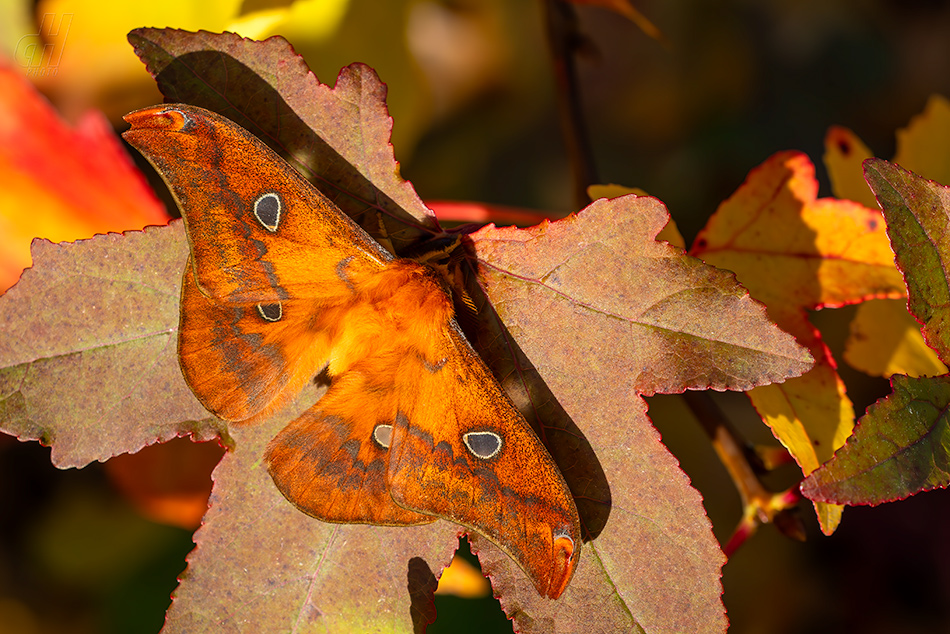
[(468, 302)]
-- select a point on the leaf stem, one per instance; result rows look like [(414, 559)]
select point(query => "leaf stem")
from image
[(744, 464), (566, 40)]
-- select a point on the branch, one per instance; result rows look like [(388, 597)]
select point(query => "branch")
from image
[(565, 41)]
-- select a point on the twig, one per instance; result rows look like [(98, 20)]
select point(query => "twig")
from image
[(565, 40), (759, 504)]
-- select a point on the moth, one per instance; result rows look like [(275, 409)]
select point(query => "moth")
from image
[(280, 285)]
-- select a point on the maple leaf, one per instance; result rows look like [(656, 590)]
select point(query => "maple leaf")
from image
[(884, 339), (76, 183), (338, 138), (51, 177), (102, 312), (900, 447), (795, 252), (585, 315)]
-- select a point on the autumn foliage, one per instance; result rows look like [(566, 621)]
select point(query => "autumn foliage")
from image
[(579, 318)]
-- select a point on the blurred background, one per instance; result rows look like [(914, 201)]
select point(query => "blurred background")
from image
[(471, 92)]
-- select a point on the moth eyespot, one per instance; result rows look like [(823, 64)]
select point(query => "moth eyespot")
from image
[(187, 123), (267, 209), (564, 543), (482, 444), (383, 435), (271, 312)]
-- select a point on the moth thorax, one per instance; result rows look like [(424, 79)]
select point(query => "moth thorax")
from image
[(413, 296)]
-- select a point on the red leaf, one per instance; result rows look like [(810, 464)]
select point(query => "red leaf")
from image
[(61, 183)]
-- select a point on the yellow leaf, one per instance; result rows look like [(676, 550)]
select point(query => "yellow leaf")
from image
[(844, 153), (94, 63), (94, 58), (792, 249), (812, 417), (922, 146), (794, 252), (611, 190), (462, 579), (304, 20), (885, 339)]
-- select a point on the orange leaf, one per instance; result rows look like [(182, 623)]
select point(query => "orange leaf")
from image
[(170, 482), (795, 252), (58, 182)]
